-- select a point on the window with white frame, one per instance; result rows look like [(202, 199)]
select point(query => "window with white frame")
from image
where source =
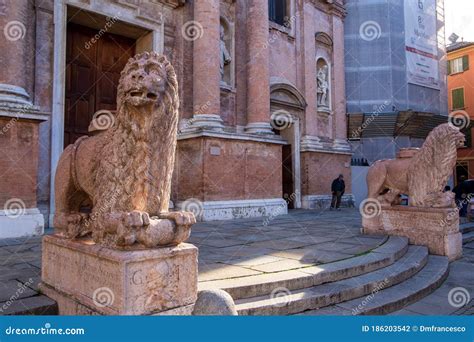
[(457, 65)]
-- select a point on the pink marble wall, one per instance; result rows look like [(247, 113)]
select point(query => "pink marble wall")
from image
[(318, 170), (212, 169), (293, 57)]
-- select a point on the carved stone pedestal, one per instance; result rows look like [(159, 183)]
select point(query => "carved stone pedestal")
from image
[(87, 279), (435, 228)]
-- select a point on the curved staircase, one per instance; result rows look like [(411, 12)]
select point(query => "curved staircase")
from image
[(381, 281)]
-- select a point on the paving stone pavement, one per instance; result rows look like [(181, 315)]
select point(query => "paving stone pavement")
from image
[(243, 248), (246, 247)]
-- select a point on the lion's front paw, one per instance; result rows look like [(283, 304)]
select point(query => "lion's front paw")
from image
[(181, 218), (75, 225), (137, 219)]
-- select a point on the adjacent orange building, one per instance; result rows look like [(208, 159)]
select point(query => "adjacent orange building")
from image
[(461, 101)]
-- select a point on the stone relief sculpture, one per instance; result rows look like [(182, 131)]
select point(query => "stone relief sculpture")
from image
[(323, 86), (225, 57), (423, 176), (125, 171)]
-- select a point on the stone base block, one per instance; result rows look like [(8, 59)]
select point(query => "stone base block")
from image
[(28, 223), (87, 279), (236, 209), (324, 201), (435, 228)]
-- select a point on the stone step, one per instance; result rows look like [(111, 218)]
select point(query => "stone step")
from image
[(396, 297), (284, 302), (264, 284), (466, 227), (467, 237)]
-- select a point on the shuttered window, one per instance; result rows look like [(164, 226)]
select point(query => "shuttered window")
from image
[(457, 97), (465, 62), (458, 65)]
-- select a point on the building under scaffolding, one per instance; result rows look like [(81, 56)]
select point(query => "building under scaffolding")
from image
[(395, 60)]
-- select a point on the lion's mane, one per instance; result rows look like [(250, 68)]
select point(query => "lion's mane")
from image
[(134, 166), (432, 166)]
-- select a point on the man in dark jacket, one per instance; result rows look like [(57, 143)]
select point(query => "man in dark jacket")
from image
[(337, 187)]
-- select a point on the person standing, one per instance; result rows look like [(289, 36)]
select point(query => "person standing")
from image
[(337, 187)]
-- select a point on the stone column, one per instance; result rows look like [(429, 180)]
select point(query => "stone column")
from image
[(17, 57), (258, 79), (206, 73), (19, 122), (339, 97)]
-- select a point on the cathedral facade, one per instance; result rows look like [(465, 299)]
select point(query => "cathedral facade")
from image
[(262, 91)]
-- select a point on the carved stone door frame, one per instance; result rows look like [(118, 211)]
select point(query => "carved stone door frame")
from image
[(288, 103), (291, 132)]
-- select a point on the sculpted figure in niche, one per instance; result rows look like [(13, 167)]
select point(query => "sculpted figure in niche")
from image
[(125, 171), (423, 176), (323, 86), (225, 57)]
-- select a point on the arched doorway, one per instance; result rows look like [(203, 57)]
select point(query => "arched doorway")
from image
[(287, 106)]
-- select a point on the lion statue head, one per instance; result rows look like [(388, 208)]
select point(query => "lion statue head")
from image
[(431, 167), (137, 156), (147, 79)]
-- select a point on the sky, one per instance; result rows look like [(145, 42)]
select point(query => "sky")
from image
[(459, 18)]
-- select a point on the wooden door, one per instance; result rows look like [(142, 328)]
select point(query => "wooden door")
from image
[(287, 176), (92, 75)]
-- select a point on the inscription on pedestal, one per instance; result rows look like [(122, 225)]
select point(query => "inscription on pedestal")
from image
[(435, 228), (121, 282)]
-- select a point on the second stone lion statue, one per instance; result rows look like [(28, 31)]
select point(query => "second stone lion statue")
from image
[(125, 172), (421, 177)]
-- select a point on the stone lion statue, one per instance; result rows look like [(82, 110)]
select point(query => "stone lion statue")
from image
[(423, 176), (124, 172)]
